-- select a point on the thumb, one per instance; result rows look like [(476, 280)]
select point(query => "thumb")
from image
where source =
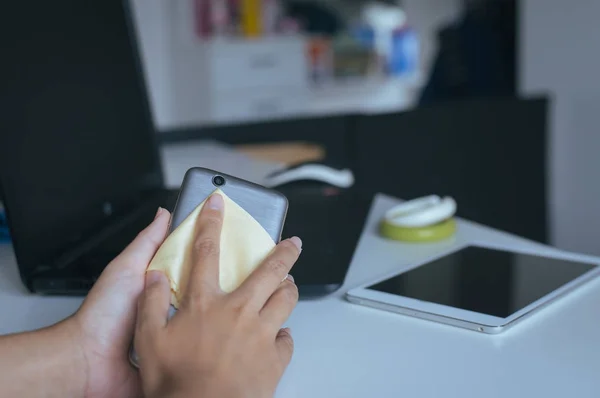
[(285, 346), (123, 277), (153, 307), (139, 253)]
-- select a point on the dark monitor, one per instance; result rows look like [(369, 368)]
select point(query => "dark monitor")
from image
[(77, 143)]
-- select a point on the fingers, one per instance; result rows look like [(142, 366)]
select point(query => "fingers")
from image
[(265, 279), (123, 277), (281, 304), (139, 253), (204, 275), (285, 346), (154, 303)]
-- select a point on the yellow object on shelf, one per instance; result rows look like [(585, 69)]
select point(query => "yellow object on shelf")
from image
[(430, 233), (251, 18)]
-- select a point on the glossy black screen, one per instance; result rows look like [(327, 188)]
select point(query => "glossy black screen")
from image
[(483, 280)]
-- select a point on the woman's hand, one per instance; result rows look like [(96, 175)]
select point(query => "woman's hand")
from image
[(218, 344), (86, 355), (106, 321)]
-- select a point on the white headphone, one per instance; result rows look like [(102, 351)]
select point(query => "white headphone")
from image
[(421, 212)]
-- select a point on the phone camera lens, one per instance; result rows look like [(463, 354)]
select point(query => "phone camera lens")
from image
[(218, 181)]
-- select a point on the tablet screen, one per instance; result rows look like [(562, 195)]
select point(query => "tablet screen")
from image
[(483, 280)]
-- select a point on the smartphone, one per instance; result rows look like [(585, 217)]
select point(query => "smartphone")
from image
[(265, 205)]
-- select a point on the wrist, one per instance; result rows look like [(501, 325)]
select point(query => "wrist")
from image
[(68, 338), (44, 362), (173, 388)]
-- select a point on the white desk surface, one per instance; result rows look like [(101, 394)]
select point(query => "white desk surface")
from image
[(345, 350)]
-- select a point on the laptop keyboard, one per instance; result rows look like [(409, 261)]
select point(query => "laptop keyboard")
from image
[(95, 262), (328, 225)]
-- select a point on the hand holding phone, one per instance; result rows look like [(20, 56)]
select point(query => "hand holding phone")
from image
[(249, 202), (218, 344)]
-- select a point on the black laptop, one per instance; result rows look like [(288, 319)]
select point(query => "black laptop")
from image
[(80, 170)]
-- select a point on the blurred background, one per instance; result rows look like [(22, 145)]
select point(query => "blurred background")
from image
[(328, 56), (415, 96), (490, 101)]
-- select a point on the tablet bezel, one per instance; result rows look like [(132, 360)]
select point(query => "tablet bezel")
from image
[(459, 317)]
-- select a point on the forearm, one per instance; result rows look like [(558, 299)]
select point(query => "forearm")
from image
[(44, 363)]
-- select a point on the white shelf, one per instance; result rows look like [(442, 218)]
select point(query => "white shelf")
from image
[(369, 96), (225, 81), (373, 96)]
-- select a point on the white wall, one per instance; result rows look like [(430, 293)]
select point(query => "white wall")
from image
[(560, 55), (152, 21)]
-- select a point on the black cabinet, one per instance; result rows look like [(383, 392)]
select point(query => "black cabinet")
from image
[(489, 154)]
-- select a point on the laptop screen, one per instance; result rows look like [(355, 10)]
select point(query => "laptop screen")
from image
[(77, 137)]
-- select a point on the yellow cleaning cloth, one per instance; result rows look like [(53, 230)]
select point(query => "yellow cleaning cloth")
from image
[(244, 245)]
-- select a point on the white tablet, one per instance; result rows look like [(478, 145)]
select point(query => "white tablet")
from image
[(476, 287)]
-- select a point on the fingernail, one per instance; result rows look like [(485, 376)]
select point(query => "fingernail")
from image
[(297, 242), (153, 277), (291, 278), (215, 202), (158, 212)]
